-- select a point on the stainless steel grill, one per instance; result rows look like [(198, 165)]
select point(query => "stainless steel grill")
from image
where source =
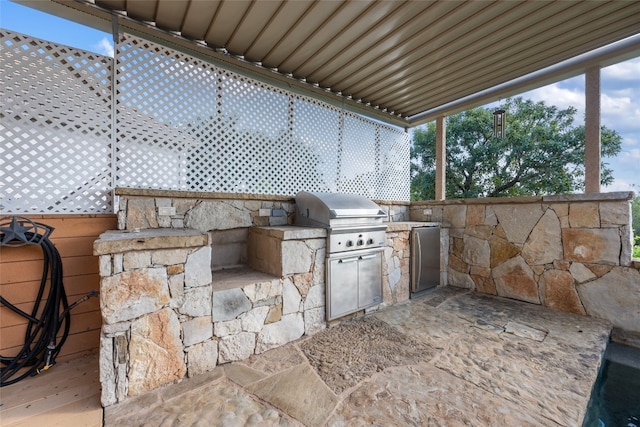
[(355, 242)]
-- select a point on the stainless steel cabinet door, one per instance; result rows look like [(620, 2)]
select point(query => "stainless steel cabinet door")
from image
[(425, 258), (369, 279), (343, 286)]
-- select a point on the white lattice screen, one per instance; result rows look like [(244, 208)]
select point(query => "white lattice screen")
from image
[(185, 124), (181, 124), (55, 124)]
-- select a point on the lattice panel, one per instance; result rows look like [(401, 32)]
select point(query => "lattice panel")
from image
[(253, 147), (55, 141), (360, 158), (395, 165), (162, 97), (181, 123), (186, 124), (314, 159)]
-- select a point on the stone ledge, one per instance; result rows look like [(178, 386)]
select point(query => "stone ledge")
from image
[(291, 232), (590, 197), (408, 225), (238, 278), (602, 197), (116, 241), (177, 194)]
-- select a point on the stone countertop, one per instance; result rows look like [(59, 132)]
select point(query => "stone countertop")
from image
[(296, 232), (116, 241), (204, 195), (291, 232), (408, 225), (553, 198)]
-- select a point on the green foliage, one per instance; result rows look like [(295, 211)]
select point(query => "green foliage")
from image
[(543, 153), (635, 216)]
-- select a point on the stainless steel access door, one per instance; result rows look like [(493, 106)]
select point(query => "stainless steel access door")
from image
[(354, 282), (425, 258)]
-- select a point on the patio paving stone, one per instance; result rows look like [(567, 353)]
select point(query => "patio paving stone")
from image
[(298, 392), (423, 395), (449, 358)]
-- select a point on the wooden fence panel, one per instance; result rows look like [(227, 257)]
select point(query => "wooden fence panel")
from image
[(21, 271)]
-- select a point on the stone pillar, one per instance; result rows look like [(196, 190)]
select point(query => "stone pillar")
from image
[(441, 158), (592, 131)]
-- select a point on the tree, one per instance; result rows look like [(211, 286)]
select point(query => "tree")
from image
[(543, 153)]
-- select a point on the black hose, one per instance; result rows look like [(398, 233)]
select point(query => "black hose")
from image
[(41, 345)]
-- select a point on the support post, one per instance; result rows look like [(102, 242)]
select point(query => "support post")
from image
[(441, 157), (592, 131)]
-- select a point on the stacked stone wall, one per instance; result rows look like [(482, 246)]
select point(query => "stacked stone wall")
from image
[(164, 318), (166, 315), (140, 209), (143, 209), (395, 266), (571, 253)]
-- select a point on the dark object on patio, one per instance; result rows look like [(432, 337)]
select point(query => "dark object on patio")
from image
[(40, 347)]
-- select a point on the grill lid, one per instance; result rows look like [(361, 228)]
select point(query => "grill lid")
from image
[(336, 209)]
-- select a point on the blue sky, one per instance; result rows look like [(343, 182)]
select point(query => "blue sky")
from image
[(620, 84)]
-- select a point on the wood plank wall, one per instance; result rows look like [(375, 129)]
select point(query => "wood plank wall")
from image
[(21, 270)]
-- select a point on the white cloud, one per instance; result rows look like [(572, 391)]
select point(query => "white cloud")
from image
[(628, 70), (559, 97), (630, 157), (620, 113), (621, 185), (104, 47), (613, 103)]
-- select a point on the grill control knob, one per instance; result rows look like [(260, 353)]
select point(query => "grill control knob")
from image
[(349, 243), (370, 242), (360, 242)]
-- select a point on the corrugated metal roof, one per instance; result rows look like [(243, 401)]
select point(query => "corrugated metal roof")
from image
[(403, 57)]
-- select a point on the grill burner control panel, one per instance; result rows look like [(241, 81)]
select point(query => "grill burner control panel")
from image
[(358, 239)]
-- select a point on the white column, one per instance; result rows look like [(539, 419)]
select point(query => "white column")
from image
[(441, 158), (592, 131)]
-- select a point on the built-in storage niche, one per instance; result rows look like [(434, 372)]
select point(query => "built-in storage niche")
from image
[(228, 248)]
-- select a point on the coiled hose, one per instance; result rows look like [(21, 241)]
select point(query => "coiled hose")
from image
[(41, 343)]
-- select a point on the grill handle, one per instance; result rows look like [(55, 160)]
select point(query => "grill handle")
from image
[(346, 260), (368, 256)]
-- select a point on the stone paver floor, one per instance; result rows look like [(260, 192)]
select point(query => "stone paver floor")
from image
[(449, 358)]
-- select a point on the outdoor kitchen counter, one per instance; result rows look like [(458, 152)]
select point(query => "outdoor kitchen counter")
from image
[(117, 241), (296, 232), (291, 232), (408, 225)]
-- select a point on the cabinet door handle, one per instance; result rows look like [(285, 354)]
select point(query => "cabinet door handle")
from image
[(345, 260), (368, 256)]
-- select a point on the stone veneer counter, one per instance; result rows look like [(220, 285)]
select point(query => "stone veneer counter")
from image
[(408, 225), (291, 232), (114, 241), (159, 296)]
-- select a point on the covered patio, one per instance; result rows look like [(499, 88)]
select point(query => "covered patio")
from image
[(213, 115)]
